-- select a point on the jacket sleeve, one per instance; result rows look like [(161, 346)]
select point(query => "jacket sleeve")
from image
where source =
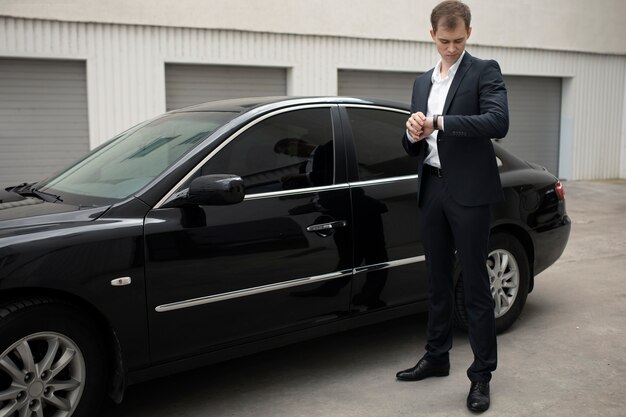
[(411, 148), (493, 120)]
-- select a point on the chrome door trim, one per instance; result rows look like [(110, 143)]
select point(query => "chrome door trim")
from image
[(390, 264), (283, 285), (389, 180), (376, 107), (298, 191), (251, 291), (311, 190), (233, 137)]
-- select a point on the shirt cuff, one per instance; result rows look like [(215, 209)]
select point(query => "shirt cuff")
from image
[(441, 123)]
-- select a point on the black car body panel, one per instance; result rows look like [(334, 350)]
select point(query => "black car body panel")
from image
[(77, 260), (214, 282)]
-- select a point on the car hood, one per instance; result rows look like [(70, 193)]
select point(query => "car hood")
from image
[(18, 211)]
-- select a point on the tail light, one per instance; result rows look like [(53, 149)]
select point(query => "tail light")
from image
[(560, 191)]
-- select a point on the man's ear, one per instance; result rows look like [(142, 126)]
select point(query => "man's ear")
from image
[(469, 32), (432, 34)]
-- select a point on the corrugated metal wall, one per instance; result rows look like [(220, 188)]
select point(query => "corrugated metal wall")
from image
[(377, 84), (43, 117), (126, 74), (186, 85), (534, 119)]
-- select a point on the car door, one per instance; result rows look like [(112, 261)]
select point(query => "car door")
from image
[(278, 261), (389, 256)]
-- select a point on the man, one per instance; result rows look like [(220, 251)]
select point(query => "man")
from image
[(457, 108)]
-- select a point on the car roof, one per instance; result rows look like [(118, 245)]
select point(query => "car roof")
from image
[(242, 105)]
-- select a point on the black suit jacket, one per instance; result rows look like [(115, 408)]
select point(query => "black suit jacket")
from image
[(475, 111)]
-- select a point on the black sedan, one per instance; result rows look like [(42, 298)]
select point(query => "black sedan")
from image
[(226, 228)]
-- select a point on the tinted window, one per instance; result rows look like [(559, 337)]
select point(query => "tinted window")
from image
[(286, 151), (377, 138)]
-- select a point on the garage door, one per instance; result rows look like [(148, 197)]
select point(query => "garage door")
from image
[(394, 86), (43, 117), (193, 84), (534, 119), (534, 106)]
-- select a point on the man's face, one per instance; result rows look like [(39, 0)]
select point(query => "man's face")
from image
[(450, 43)]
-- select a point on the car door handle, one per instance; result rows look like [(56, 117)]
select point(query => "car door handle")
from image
[(322, 227)]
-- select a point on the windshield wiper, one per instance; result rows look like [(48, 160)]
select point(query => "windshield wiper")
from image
[(27, 189), (47, 196)]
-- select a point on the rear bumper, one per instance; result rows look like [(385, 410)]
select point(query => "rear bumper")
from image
[(550, 244)]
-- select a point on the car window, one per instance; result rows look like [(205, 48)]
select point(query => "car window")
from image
[(377, 139), (128, 162), (288, 151)]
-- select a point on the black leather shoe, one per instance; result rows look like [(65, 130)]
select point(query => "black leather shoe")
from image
[(478, 397), (424, 369)]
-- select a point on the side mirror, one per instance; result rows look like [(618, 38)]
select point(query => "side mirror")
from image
[(210, 190)]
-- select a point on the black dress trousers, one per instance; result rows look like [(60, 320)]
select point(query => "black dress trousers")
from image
[(448, 227)]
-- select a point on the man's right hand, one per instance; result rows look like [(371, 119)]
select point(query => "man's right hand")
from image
[(418, 127)]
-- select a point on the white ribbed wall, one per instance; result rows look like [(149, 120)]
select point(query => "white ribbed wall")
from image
[(126, 77), (622, 173)]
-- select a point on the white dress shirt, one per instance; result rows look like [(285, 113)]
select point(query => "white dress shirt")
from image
[(436, 101)]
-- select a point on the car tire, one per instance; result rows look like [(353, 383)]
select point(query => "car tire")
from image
[(52, 360), (509, 275)]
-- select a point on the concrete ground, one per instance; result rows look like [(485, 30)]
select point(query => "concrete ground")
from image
[(566, 355)]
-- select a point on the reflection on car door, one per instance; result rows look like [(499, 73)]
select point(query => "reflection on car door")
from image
[(389, 257), (278, 261)]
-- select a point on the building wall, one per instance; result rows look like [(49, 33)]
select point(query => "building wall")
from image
[(126, 77), (622, 173), (573, 25)]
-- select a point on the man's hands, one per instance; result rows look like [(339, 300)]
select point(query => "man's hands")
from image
[(419, 126)]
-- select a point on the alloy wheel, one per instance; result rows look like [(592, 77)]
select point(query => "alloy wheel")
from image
[(504, 277), (41, 375)]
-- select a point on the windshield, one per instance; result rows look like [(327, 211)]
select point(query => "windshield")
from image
[(131, 160)]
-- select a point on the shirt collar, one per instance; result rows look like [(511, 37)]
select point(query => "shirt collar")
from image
[(437, 71)]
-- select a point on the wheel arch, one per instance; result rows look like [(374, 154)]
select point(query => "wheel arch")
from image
[(117, 382)]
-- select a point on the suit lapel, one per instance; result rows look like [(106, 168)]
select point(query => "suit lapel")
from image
[(466, 63)]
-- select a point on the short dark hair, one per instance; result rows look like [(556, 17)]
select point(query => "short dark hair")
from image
[(451, 11)]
